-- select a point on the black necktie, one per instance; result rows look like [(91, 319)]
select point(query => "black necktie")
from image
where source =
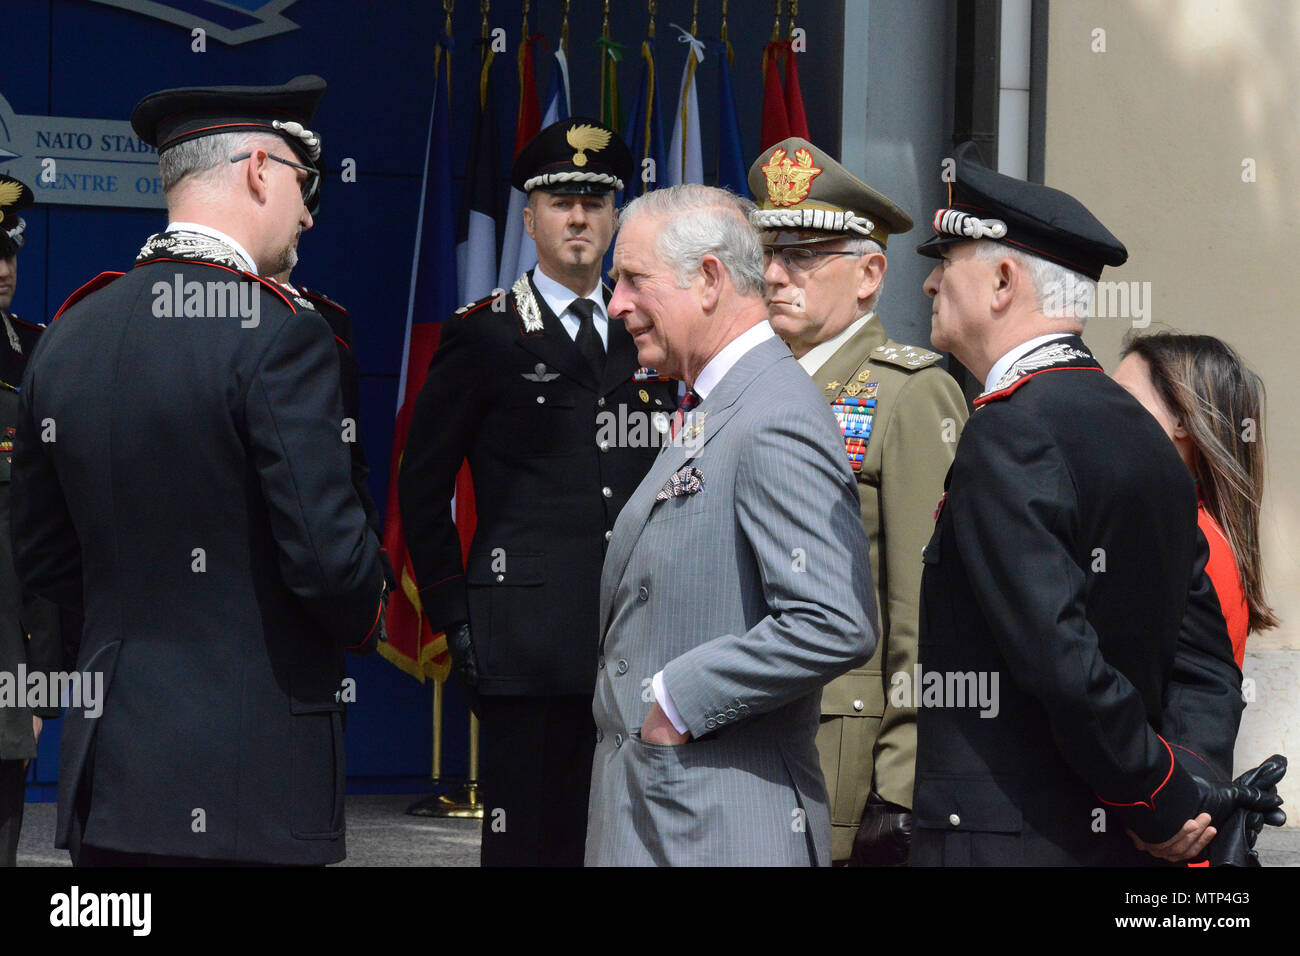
[(588, 339)]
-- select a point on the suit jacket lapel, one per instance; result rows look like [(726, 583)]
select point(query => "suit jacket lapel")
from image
[(555, 347), (720, 406)]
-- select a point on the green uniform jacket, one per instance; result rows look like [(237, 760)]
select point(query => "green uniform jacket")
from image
[(865, 742)]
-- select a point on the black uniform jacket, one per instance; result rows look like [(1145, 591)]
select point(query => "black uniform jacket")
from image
[(1065, 560), (13, 362), (190, 471), (29, 625), (340, 323), (554, 455)]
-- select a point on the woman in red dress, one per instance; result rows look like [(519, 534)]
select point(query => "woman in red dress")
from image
[(1211, 406)]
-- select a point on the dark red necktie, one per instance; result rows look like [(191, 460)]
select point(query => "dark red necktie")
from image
[(689, 401)]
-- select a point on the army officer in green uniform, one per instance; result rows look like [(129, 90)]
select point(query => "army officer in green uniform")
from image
[(824, 233)]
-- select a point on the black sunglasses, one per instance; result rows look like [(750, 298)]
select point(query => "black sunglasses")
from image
[(310, 185)]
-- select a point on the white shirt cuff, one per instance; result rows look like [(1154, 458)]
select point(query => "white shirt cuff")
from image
[(666, 704)]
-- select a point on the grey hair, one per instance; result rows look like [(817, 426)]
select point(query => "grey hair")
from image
[(703, 221), (1059, 292), (205, 158)]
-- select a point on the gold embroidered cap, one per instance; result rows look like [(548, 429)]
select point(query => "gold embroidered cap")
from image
[(800, 188)]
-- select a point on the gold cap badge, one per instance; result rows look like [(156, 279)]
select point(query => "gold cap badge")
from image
[(586, 137), (789, 181)]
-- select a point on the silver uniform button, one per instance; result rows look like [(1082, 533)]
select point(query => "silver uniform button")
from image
[(607, 491), (604, 446), (608, 535), (500, 578), (858, 705), (541, 399), (954, 819), (600, 402)]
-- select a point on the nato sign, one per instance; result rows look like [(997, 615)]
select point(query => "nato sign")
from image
[(79, 162), (230, 21)]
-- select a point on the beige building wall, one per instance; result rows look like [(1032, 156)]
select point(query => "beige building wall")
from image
[(1160, 113)]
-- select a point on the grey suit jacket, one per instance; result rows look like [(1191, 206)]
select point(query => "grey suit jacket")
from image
[(750, 595)]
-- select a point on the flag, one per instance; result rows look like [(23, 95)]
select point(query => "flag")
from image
[(527, 125), (644, 132), (783, 113), (412, 645), (731, 156), (776, 124), (611, 110), (557, 108), (476, 237), (798, 120), (685, 162)]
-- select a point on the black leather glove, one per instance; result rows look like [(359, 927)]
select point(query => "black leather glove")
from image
[(464, 663), (1220, 799), (884, 836), (1235, 843)]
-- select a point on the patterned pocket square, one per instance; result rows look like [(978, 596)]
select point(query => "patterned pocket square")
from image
[(688, 481)]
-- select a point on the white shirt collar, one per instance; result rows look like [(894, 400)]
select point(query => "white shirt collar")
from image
[(820, 354), (217, 234), (560, 297), (731, 353), (1024, 348)]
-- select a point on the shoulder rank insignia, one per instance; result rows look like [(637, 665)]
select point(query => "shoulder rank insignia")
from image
[(530, 313), (540, 373), (304, 303), (905, 356), (831, 386), (854, 415)]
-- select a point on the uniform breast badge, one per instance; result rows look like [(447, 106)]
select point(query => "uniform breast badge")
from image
[(854, 415), (540, 373)]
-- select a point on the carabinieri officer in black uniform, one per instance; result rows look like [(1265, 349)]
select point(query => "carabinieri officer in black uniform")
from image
[(1065, 562), (179, 472), (541, 392)]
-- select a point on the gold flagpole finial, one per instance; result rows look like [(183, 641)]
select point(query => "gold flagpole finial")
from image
[(651, 29), (483, 6), (564, 29), (447, 6), (695, 18), (524, 29), (776, 23), (794, 12)]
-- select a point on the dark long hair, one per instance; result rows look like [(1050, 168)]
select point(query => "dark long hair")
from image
[(1220, 402)]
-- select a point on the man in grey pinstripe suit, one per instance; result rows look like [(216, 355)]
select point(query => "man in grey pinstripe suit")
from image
[(737, 582)]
